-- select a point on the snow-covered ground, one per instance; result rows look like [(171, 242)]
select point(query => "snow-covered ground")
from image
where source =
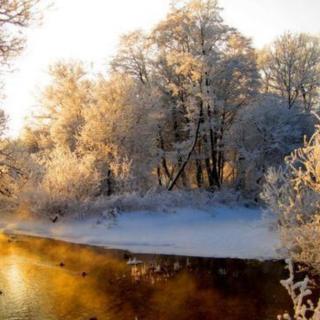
[(236, 232)]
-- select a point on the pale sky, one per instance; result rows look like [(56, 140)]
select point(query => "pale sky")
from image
[(89, 30)]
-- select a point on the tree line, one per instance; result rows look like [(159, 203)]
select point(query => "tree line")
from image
[(189, 105)]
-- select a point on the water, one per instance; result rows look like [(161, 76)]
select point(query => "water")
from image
[(47, 280)]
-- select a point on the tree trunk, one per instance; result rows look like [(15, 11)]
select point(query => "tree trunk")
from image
[(109, 183), (159, 176), (163, 158), (174, 181), (199, 173)]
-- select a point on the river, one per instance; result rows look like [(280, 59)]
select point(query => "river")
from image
[(47, 280)]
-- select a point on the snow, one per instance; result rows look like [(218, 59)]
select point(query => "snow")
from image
[(236, 232)]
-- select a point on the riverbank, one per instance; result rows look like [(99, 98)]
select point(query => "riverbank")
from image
[(235, 232)]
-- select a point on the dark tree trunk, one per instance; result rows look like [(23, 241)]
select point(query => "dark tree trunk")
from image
[(109, 183), (163, 158), (199, 173), (213, 145), (196, 136), (159, 176)]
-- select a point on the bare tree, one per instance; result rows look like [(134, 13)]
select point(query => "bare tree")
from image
[(291, 68)]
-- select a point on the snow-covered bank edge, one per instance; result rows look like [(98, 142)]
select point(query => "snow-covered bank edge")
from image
[(218, 232)]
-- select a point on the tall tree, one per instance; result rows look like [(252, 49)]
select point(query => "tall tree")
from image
[(210, 70)]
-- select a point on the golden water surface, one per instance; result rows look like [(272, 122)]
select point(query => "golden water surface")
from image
[(44, 279)]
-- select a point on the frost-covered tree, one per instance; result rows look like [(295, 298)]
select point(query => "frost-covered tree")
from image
[(291, 68), (132, 56), (15, 17), (263, 133), (62, 104), (202, 71), (120, 132)]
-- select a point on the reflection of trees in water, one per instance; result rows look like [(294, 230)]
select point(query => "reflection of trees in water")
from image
[(153, 272)]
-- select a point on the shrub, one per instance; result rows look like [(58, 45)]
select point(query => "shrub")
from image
[(293, 194)]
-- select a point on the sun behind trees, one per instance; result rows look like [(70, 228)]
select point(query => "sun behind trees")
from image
[(181, 108)]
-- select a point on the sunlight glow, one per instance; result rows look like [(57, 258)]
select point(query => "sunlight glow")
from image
[(16, 278)]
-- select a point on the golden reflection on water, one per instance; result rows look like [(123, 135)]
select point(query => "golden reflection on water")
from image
[(43, 279), (16, 277)]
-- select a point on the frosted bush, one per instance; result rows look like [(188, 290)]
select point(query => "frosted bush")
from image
[(68, 183), (69, 177), (293, 194), (303, 242)]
